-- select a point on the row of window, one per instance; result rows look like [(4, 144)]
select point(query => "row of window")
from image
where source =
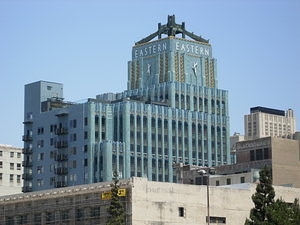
[(12, 165), (203, 181), (73, 124), (12, 177), (62, 215), (12, 154), (212, 219)]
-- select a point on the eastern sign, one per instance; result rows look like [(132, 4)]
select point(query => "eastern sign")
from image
[(177, 45), (151, 49)]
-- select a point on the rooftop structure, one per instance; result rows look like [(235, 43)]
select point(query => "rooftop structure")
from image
[(267, 110)]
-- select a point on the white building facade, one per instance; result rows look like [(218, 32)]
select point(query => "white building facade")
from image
[(11, 170), (265, 122)]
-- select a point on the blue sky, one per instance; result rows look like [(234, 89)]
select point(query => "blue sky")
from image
[(86, 45)]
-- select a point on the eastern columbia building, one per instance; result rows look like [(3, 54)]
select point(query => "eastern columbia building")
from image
[(172, 112)]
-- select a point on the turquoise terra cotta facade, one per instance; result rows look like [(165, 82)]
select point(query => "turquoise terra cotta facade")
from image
[(171, 112)]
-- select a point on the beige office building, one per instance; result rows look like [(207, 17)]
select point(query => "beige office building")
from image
[(147, 203), (11, 170), (281, 155), (265, 122)]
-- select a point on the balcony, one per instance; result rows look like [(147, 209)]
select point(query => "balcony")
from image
[(61, 157), (27, 163), (30, 121), (61, 171), (27, 176), (27, 151), (61, 131), (61, 144), (26, 189), (27, 137), (59, 184)]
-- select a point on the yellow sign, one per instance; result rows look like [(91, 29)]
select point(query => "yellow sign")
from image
[(107, 194)]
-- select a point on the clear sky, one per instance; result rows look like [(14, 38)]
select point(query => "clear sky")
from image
[(86, 45)]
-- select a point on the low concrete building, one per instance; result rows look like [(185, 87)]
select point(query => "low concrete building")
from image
[(279, 154), (11, 170), (282, 155), (146, 202)]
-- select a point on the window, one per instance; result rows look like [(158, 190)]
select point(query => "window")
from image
[(79, 214), (85, 162), (73, 137), (12, 154), (1, 175), (18, 154), (1, 164), (252, 156), (49, 88), (73, 123), (85, 148), (18, 179), (242, 180), (40, 143), (228, 181), (259, 154), (11, 178), (74, 164), (40, 130), (218, 220), (95, 212), (85, 135), (50, 216), (1, 153), (40, 169), (51, 167), (85, 121), (52, 180), (64, 215), (40, 182), (37, 218), (41, 156), (181, 212), (266, 153), (11, 166), (217, 183), (73, 150)]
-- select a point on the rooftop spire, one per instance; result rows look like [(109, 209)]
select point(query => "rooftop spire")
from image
[(171, 29)]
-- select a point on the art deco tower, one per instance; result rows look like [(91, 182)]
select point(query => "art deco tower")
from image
[(171, 112)]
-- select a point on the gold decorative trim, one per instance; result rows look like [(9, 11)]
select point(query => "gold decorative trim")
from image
[(172, 37)]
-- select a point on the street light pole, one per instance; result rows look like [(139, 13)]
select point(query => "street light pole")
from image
[(207, 173), (207, 192)]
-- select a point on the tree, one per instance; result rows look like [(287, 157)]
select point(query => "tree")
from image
[(262, 199), (266, 211), (282, 213), (116, 209)]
